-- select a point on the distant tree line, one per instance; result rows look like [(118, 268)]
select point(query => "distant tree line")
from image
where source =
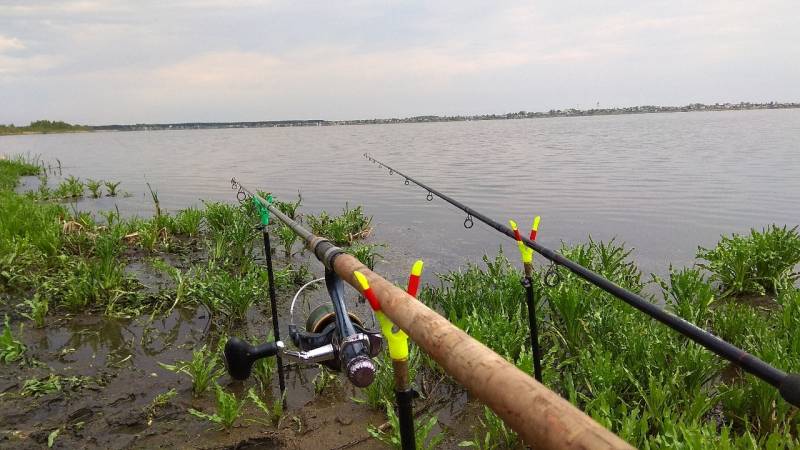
[(47, 126), (42, 126)]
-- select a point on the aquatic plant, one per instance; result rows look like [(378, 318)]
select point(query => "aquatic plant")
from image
[(288, 208), (264, 368), (344, 229), (180, 279), (229, 408), (204, 369), (274, 411), (231, 295), (188, 221), (71, 187), (492, 434), (291, 275), (38, 306), (324, 380), (14, 167), (687, 294), (159, 401), (423, 427), (365, 253), (111, 216), (287, 238), (759, 263), (36, 387), (156, 202), (112, 186), (11, 349), (231, 233), (382, 388), (94, 187)]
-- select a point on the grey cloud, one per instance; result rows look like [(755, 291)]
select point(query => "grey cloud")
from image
[(115, 61)]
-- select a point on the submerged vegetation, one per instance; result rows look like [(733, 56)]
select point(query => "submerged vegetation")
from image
[(651, 386)]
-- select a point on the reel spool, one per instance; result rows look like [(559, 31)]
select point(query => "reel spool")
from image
[(324, 315)]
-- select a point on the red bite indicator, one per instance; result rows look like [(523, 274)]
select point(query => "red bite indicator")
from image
[(367, 291), (413, 279), (534, 229)]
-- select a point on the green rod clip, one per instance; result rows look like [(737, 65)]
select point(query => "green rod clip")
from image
[(262, 209)]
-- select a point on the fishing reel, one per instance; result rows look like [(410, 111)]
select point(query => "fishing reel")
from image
[(332, 336)]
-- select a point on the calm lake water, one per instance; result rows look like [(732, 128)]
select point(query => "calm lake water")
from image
[(662, 183)]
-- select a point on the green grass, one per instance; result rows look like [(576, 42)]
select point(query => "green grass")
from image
[(324, 380), (382, 388), (350, 226), (423, 429), (643, 381), (94, 187), (273, 411), (366, 253), (70, 188), (37, 308), (43, 386), (11, 349), (288, 208), (14, 167), (188, 222), (204, 369), (229, 408), (492, 433), (112, 187), (287, 238), (759, 263)]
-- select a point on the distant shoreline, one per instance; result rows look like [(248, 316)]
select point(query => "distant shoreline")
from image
[(570, 112), (646, 109)]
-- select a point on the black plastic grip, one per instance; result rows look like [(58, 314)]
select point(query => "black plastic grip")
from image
[(240, 356), (790, 389)]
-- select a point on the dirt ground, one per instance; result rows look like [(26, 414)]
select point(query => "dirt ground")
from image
[(110, 375)]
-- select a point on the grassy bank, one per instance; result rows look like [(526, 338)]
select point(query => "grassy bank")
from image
[(59, 265), (643, 381)]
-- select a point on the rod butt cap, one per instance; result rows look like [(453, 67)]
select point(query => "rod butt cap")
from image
[(790, 389)]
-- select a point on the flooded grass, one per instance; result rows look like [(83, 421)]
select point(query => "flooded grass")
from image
[(125, 316)]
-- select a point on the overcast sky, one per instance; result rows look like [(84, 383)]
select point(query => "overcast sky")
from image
[(101, 62)]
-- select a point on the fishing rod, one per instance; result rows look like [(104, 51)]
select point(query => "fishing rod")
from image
[(333, 336), (788, 385), (540, 416)]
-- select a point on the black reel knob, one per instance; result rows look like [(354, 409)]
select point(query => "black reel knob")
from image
[(360, 371), (240, 356)]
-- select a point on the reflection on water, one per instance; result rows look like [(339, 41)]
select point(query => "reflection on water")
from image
[(663, 183)]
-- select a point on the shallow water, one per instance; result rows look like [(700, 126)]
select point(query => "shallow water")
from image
[(663, 183)]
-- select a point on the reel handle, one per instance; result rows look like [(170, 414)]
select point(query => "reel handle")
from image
[(240, 356)]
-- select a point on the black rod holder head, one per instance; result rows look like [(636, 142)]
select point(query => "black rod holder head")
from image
[(240, 356)]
